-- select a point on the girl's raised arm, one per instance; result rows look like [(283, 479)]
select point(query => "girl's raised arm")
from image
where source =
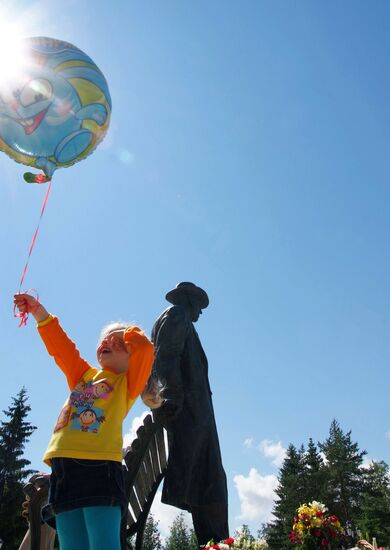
[(57, 342)]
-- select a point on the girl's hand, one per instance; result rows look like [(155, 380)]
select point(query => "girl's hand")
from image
[(29, 304), (115, 338)]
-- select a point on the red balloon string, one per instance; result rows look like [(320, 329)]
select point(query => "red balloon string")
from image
[(24, 316)]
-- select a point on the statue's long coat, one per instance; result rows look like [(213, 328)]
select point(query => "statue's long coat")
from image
[(195, 475)]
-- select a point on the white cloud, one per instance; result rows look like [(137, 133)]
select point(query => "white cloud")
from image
[(387, 434), (368, 462), (132, 433), (273, 450), (248, 443), (322, 455), (256, 494), (165, 515)]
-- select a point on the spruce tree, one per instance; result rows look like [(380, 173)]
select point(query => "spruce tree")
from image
[(179, 535), (290, 493), (14, 433), (374, 520), (244, 534), (152, 539), (193, 544), (344, 476), (313, 480)]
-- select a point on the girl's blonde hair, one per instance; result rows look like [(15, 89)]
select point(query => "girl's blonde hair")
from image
[(117, 325)]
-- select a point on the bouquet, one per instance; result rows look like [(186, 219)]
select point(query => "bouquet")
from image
[(241, 543), (313, 528)]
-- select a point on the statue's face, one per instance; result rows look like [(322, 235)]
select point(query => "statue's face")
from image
[(195, 312)]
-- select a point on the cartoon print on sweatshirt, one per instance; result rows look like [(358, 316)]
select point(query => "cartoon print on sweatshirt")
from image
[(86, 393), (75, 396), (87, 419), (63, 418)]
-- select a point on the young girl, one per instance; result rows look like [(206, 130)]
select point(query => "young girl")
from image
[(85, 452)]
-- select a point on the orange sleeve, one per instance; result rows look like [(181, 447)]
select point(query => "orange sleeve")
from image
[(140, 361), (64, 352)]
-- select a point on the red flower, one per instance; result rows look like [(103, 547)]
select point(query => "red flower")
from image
[(294, 538), (229, 541), (317, 533), (324, 542), (216, 547), (319, 513)]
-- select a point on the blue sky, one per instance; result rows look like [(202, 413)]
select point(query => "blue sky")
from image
[(248, 153)]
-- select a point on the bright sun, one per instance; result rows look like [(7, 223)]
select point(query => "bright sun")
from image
[(11, 52)]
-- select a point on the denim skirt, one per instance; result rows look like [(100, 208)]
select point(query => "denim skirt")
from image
[(76, 483)]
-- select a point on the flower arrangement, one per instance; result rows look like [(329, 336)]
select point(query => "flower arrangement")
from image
[(240, 543), (313, 528)]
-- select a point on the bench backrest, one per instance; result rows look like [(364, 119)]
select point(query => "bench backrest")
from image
[(146, 462)]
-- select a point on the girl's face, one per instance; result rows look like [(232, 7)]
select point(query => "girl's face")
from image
[(112, 352)]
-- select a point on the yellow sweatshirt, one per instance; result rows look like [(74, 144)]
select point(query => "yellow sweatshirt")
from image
[(90, 423)]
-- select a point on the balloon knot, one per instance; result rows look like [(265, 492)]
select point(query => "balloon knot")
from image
[(29, 177)]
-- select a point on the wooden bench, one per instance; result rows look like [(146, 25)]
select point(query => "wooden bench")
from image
[(145, 465)]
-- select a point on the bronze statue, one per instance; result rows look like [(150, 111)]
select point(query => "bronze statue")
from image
[(195, 478)]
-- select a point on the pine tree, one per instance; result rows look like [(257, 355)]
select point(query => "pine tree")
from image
[(244, 534), (179, 535), (314, 475), (374, 517), (14, 434), (193, 544), (152, 539), (344, 476), (290, 494)]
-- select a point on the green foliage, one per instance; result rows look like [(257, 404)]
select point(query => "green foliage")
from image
[(359, 497), (343, 474), (290, 493), (180, 536), (193, 545), (14, 434), (152, 539), (314, 475), (375, 503), (244, 539), (244, 534)]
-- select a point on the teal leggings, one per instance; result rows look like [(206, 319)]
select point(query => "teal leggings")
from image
[(90, 528)]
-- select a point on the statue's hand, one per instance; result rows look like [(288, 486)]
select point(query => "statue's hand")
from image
[(165, 414)]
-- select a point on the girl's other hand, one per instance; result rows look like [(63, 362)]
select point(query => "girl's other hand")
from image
[(116, 340)]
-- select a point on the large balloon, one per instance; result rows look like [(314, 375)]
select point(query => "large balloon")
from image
[(56, 110)]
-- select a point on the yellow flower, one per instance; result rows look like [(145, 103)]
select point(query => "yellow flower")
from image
[(304, 509), (298, 527), (316, 522)]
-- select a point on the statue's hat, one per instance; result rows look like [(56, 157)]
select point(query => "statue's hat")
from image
[(182, 290)]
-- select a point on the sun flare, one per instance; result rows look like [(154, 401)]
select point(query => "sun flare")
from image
[(11, 51)]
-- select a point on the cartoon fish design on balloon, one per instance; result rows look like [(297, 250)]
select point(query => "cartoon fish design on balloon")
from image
[(57, 110)]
